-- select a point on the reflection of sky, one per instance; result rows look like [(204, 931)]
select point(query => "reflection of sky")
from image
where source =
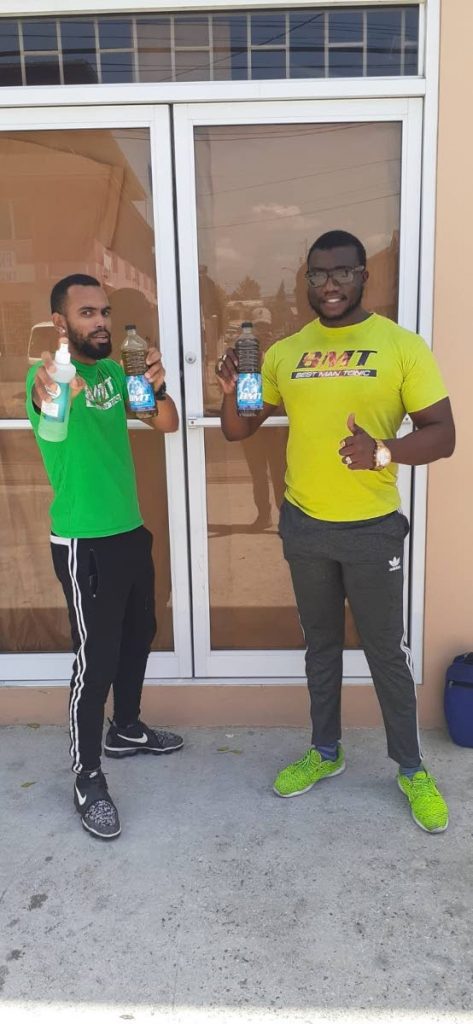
[(266, 192), (134, 144)]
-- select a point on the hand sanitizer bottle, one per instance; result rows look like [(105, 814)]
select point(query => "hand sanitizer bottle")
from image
[(54, 419)]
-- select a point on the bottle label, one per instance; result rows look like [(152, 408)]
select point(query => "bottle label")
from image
[(141, 396), (249, 392), (56, 408)]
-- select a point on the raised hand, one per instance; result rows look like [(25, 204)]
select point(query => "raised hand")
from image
[(155, 372), (45, 387), (226, 371), (357, 450)]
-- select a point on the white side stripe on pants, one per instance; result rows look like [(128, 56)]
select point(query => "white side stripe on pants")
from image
[(77, 683), (410, 664)]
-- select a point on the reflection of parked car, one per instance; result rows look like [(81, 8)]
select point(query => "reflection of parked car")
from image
[(43, 338), (238, 310), (14, 362)]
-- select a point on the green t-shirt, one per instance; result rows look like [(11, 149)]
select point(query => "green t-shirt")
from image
[(91, 472), (376, 370)]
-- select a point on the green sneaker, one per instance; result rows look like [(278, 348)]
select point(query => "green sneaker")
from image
[(299, 777), (428, 807)]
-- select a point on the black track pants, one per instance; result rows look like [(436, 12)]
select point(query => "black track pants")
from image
[(363, 562), (108, 583)]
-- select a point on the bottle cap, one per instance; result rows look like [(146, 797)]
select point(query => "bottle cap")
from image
[(247, 323), (130, 327), (63, 356)]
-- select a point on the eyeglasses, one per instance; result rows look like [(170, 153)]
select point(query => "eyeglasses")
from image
[(339, 275)]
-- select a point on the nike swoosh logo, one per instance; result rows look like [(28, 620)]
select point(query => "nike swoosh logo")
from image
[(80, 798), (133, 739)]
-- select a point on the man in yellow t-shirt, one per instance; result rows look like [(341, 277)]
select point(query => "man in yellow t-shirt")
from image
[(346, 381)]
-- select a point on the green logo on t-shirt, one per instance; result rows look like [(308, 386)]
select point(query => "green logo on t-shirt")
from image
[(102, 395)]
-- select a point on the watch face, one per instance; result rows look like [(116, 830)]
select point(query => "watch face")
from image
[(383, 457)]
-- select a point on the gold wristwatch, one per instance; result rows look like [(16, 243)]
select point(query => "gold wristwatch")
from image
[(381, 455)]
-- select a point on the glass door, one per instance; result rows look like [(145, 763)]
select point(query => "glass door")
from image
[(84, 190), (256, 184)]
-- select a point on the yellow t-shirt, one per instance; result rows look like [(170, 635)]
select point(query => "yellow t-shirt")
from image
[(376, 370)]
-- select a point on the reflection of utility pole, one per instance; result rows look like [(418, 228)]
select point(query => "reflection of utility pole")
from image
[(291, 271)]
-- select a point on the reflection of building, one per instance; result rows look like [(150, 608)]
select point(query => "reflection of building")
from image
[(106, 235), (381, 293)]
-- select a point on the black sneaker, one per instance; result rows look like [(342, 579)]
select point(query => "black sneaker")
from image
[(96, 808), (137, 738)]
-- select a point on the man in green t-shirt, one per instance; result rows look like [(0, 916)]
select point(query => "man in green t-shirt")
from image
[(346, 381), (101, 550)]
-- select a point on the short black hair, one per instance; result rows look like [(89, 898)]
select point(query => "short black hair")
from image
[(334, 240), (60, 290)]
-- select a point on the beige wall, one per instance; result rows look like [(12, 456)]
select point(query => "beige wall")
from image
[(449, 583)]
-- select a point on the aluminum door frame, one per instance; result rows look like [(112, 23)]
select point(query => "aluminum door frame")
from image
[(281, 665), (51, 668)]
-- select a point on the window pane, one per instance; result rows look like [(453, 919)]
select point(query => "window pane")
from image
[(411, 62), (268, 29), (10, 69), (78, 68), (345, 63), (77, 36), (384, 42), (268, 63), (117, 67), (114, 33), (307, 63), (191, 32), (39, 35), (154, 66), (96, 185), (307, 33), (412, 24), (153, 33), (256, 219), (9, 38), (346, 26), (237, 45), (42, 70), (230, 48), (307, 30), (192, 66)]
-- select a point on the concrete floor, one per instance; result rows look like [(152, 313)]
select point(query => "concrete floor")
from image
[(222, 903)]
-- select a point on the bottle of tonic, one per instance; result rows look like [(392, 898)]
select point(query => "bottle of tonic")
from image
[(141, 396), (249, 391)]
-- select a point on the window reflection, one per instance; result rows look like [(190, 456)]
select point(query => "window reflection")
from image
[(213, 47), (71, 201), (257, 217), (40, 35), (115, 34), (252, 602)]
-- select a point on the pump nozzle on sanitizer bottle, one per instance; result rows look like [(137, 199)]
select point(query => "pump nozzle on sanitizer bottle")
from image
[(54, 419)]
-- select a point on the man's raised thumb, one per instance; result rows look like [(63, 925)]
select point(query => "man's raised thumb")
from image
[(352, 425)]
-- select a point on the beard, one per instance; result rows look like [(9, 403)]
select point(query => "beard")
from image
[(84, 345), (317, 307)]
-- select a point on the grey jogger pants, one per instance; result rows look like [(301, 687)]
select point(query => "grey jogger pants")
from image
[(363, 562)]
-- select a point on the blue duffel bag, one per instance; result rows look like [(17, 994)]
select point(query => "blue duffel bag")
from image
[(458, 699)]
